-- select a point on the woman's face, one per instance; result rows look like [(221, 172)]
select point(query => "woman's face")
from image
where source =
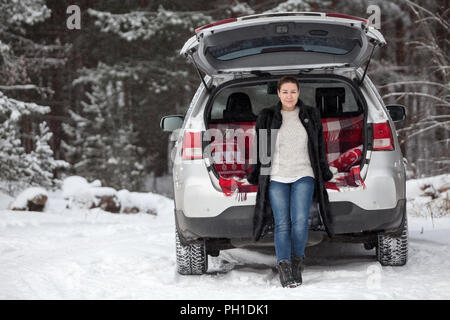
[(288, 94)]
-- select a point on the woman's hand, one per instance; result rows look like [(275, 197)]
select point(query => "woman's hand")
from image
[(243, 180), (333, 170)]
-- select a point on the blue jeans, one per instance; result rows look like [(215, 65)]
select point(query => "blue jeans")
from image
[(290, 205)]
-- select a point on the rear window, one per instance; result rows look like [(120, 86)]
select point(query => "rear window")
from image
[(243, 102), (243, 48)]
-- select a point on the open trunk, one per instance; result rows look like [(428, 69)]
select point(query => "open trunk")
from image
[(280, 42), (236, 105)]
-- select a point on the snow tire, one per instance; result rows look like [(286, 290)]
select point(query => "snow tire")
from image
[(393, 251), (191, 258)]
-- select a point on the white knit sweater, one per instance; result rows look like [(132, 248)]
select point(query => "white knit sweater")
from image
[(290, 160)]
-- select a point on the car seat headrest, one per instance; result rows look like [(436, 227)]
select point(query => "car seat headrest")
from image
[(239, 108), (330, 100)]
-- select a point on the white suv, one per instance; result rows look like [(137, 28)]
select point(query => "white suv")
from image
[(243, 58)]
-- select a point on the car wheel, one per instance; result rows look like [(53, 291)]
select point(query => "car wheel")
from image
[(191, 258), (393, 251)]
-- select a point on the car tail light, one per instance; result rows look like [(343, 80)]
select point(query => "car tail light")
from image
[(216, 24), (382, 137), (345, 16), (192, 145)]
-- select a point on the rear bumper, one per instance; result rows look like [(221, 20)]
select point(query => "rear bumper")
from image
[(233, 223), (349, 218), (237, 222)]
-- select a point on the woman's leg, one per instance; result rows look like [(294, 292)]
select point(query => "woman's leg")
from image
[(279, 196), (302, 192)]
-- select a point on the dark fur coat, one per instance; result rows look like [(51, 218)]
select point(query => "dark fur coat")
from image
[(270, 118)]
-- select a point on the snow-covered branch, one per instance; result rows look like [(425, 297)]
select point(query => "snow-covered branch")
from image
[(144, 24), (416, 8), (421, 131), (17, 13), (27, 87), (418, 82), (18, 108), (419, 94)]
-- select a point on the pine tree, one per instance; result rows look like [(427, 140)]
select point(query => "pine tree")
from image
[(18, 168), (41, 160), (103, 142), (25, 154), (13, 158)]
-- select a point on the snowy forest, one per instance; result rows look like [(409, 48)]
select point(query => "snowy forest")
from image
[(86, 188), (87, 101)]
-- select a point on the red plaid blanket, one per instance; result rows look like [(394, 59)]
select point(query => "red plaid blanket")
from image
[(346, 179), (231, 185), (342, 134), (228, 151), (343, 144)]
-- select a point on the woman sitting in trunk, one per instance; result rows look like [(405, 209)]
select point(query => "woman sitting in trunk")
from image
[(297, 168)]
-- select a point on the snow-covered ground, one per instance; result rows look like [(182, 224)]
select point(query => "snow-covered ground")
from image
[(92, 254)]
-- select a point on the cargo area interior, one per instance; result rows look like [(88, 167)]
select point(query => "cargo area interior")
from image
[(237, 107)]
